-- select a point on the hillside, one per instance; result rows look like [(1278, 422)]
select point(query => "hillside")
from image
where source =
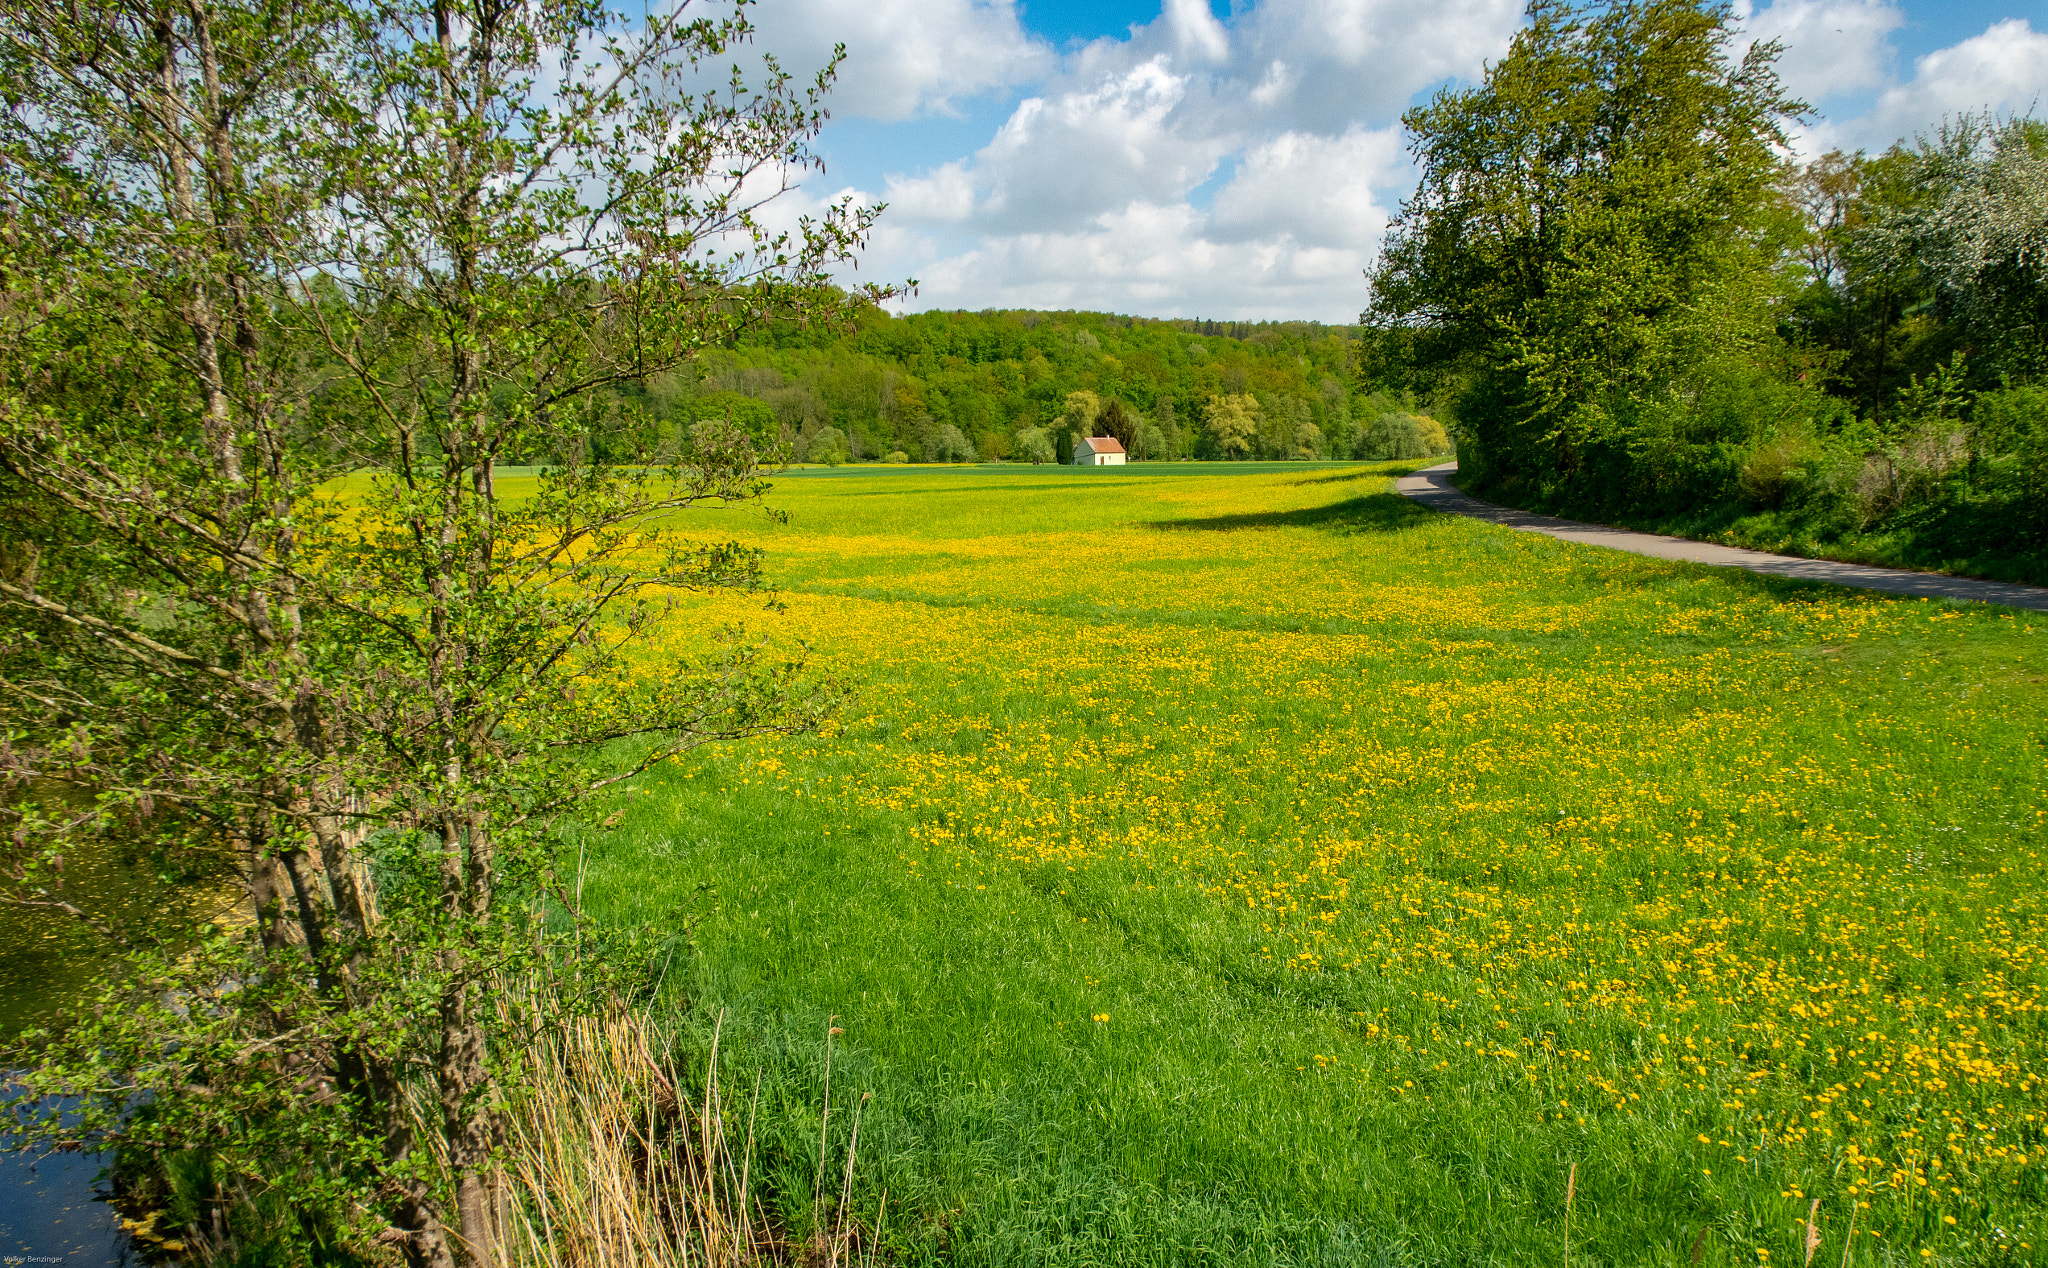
[(959, 386)]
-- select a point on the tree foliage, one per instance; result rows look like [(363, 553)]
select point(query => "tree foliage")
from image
[(1034, 446), (247, 249), (893, 382), (1593, 225), (1233, 423), (1637, 306), (1952, 231), (1921, 306)]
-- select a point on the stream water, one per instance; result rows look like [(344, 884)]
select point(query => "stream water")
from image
[(51, 1208), (52, 1212)]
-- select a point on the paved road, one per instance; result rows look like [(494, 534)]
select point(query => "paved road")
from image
[(1432, 487)]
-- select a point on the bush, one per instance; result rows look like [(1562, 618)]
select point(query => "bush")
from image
[(1782, 470), (1400, 434), (1941, 481), (949, 444), (1034, 446), (1964, 487), (1435, 439), (754, 417), (828, 446), (2011, 444), (896, 456)]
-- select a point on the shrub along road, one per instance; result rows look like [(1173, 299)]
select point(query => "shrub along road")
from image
[(1432, 487)]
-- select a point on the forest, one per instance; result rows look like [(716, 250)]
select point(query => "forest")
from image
[(1021, 386)]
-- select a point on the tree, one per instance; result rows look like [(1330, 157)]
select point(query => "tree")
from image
[(1398, 434), (1858, 285), (1035, 447), (1594, 225), (949, 444), (1979, 229), (828, 446), (249, 246), (1234, 423), (1336, 417), (892, 382), (1921, 253), (1168, 422), (1285, 429), (1083, 407), (1119, 422), (750, 415)]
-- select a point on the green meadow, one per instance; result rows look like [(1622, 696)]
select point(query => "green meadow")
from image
[(1248, 866)]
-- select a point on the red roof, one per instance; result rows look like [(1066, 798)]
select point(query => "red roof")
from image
[(1105, 444)]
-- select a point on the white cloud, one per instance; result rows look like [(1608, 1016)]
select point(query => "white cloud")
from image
[(943, 195), (1355, 61), (1087, 193), (904, 57), (1274, 86), (1150, 258), (1195, 30), (1839, 53), (1312, 189), (2004, 69), (1061, 160), (1832, 47), (1091, 191), (896, 249), (1289, 235)]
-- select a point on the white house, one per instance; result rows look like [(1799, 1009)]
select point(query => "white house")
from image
[(1099, 451)]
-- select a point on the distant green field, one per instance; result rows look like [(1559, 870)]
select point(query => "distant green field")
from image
[(1228, 865), (1135, 468)]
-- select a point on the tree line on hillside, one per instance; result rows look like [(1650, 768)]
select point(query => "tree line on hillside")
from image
[(1022, 387), (1637, 305)]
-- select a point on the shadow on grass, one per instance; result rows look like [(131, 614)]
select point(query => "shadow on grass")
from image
[(1388, 469), (1373, 513)]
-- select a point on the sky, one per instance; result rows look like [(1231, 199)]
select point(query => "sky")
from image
[(1240, 158)]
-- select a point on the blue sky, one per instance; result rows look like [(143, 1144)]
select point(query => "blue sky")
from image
[(1061, 21), (1239, 158)]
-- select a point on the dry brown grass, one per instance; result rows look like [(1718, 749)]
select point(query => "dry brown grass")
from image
[(611, 1163)]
